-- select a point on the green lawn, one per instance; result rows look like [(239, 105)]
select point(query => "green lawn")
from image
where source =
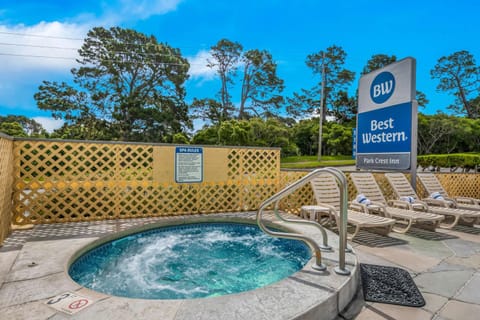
[(300, 162)]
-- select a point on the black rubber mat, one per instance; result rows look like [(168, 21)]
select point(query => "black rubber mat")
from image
[(389, 285)]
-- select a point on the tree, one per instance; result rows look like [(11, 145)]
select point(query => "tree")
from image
[(432, 130), (378, 61), (212, 110), (127, 84), (260, 85), (208, 135), (13, 129), (30, 127), (269, 132), (458, 74), (225, 57), (344, 108), (338, 139), (473, 135), (475, 105), (303, 103), (337, 78), (305, 136)]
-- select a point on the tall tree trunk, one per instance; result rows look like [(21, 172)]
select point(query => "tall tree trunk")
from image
[(464, 99)]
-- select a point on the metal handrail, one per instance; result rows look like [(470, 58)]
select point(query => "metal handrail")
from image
[(342, 180)]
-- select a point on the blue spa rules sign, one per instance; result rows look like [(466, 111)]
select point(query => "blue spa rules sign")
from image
[(386, 120)]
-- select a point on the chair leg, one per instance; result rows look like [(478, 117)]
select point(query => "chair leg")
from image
[(354, 234), (450, 225), (467, 221), (404, 230)]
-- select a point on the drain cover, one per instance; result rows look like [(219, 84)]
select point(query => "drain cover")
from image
[(389, 285)]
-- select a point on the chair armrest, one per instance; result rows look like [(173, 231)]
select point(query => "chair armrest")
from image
[(358, 207), (400, 204), (467, 200), (438, 203), (376, 207), (331, 209), (419, 204)]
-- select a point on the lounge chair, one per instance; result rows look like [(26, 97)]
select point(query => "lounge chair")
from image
[(365, 184), (403, 190), (327, 195), (432, 185)]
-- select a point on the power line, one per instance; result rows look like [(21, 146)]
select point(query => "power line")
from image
[(80, 39), (35, 46), (104, 60), (35, 56), (77, 39), (135, 44), (66, 48), (39, 36)]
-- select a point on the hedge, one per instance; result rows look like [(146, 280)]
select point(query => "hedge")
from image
[(466, 161)]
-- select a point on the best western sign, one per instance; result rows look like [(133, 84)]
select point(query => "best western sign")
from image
[(387, 117)]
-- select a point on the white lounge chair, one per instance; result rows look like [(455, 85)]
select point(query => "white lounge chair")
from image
[(327, 195), (402, 189), (365, 184), (432, 185)]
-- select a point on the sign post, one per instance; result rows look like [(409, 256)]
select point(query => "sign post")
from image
[(387, 119)]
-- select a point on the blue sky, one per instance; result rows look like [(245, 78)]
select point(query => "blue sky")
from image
[(290, 30)]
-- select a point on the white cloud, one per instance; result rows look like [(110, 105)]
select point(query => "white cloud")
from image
[(198, 66), (131, 10), (31, 54), (47, 50), (147, 8), (49, 124), (22, 52)]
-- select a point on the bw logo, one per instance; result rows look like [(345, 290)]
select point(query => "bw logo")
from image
[(382, 87)]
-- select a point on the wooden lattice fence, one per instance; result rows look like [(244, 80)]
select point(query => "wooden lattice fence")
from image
[(6, 175), (61, 181), (48, 181)]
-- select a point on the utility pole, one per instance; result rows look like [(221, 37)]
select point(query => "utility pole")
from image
[(320, 121)]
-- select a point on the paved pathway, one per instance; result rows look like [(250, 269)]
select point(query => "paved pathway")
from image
[(444, 264)]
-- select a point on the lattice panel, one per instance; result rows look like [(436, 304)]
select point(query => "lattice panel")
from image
[(256, 193), (6, 179), (52, 161), (82, 203), (303, 196), (352, 192), (460, 185), (134, 162), (386, 188), (57, 181), (234, 159), (221, 195), (261, 164), (253, 164)]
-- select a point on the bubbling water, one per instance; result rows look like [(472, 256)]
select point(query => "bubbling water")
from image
[(189, 261)]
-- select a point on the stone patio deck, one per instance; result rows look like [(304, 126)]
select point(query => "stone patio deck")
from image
[(444, 264)]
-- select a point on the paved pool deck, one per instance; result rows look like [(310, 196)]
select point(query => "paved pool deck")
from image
[(444, 264), (33, 266)]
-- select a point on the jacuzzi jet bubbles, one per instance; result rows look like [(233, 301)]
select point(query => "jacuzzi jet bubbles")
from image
[(189, 261)]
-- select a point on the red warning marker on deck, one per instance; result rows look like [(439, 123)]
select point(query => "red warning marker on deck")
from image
[(69, 302), (77, 304)]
